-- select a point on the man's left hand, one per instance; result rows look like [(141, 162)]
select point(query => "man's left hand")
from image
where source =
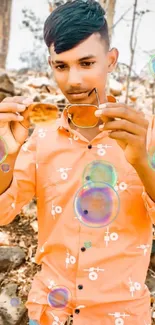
[(129, 130)]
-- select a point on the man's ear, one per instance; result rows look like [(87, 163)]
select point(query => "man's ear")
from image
[(49, 61), (112, 59)]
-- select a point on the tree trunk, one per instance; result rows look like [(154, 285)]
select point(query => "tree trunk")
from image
[(5, 14), (132, 48), (109, 6)]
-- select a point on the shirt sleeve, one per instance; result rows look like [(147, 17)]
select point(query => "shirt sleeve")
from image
[(149, 204), (22, 188)]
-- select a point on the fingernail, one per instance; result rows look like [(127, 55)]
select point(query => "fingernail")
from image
[(102, 106), (27, 101), (21, 107), (101, 127), (98, 112)]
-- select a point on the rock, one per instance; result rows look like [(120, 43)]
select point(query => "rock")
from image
[(3, 95), (2, 277), (53, 99), (115, 87), (6, 84), (34, 225), (11, 257), (150, 282), (30, 209), (11, 307), (39, 82), (4, 239), (152, 261)]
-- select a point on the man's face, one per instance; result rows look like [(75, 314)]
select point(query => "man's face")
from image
[(83, 68)]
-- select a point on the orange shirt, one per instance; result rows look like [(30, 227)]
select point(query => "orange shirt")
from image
[(91, 269)]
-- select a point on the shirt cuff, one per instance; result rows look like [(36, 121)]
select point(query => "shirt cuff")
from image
[(149, 204), (11, 192), (8, 202)]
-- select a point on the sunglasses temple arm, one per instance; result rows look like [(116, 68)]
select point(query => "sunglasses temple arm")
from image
[(97, 97), (98, 101)]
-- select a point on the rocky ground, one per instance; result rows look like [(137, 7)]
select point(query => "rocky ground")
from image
[(18, 243), (18, 240)]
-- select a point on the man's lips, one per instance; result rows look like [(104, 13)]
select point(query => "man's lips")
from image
[(77, 92), (78, 95)]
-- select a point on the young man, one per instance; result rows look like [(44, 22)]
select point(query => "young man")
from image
[(94, 186)]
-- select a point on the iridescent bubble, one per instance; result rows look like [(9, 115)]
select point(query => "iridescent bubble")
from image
[(5, 168), (59, 297), (151, 157), (87, 244), (152, 65), (3, 150), (15, 302), (100, 171), (32, 322), (96, 204)]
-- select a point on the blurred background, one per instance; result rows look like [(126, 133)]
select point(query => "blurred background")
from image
[(24, 71)]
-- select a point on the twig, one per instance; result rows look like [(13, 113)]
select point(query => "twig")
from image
[(132, 49), (122, 17), (153, 99), (126, 65)]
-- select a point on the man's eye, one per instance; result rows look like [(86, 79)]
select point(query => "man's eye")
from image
[(60, 67), (87, 64)]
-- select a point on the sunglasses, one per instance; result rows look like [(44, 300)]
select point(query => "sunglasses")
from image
[(38, 113), (83, 115)]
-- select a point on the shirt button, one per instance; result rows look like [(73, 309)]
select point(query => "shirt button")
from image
[(89, 146), (80, 286), (77, 311), (83, 249)]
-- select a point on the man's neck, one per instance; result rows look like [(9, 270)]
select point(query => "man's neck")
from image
[(89, 134)]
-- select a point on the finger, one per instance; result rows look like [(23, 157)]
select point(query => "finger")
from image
[(11, 107), (101, 126), (8, 117), (106, 119), (117, 105), (19, 99), (124, 136), (125, 126), (122, 113)]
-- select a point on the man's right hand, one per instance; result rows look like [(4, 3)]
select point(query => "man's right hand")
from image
[(12, 128)]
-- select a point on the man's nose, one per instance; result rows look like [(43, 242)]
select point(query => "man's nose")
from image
[(74, 78)]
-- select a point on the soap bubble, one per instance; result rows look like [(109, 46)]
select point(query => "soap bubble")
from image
[(151, 157), (5, 168), (96, 204), (152, 65), (15, 302), (100, 171), (32, 322), (59, 297)]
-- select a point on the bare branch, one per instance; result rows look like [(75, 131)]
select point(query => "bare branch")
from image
[(121, 17), (132, 49)]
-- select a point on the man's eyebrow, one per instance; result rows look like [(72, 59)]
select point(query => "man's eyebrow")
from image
[(87, 57), (82, 59), (57, 62)]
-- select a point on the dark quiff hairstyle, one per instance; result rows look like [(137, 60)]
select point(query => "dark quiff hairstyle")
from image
[(73, 22)]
